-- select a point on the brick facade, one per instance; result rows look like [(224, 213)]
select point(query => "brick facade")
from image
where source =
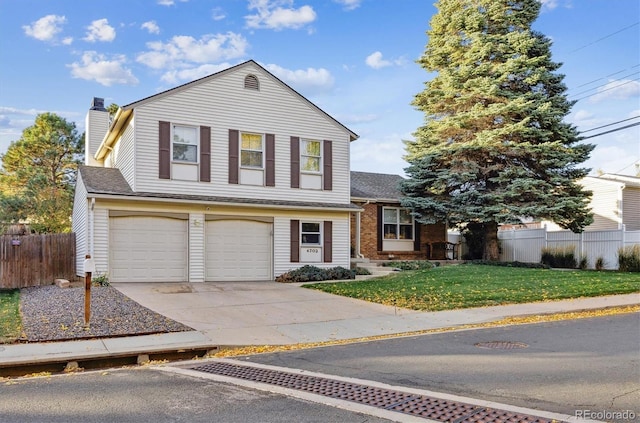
[(369, 239)]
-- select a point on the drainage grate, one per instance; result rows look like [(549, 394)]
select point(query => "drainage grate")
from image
[(502, 345), (403, 402)]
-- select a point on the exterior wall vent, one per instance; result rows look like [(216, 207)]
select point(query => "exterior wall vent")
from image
[(98, 104), (251, 82)]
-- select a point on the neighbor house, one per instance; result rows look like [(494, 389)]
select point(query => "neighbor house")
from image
[(615, 202), (384, 230), (234, 176)]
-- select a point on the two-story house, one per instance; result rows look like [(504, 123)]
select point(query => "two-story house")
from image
[(234, 176)]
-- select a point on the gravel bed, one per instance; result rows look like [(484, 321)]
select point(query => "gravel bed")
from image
[(50, 313)]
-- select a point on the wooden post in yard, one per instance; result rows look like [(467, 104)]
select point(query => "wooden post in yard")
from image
[(88, 269)]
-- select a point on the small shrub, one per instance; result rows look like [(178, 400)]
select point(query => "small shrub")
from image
[(629, 259), (559, 257), (362, 271), (409, 264), (583, 263), (600, 263), (310, 273), (101, 279)]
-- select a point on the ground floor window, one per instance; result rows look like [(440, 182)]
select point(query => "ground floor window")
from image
[(397, 223)]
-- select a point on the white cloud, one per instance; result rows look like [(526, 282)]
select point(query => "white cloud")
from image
[(380, 155), (169, 2), (45, 28), (96, 67), (349, 4), (375, 60), (279, 14), (100, 30), (67, 41), (553, 4), (617, 90), (217, 14), (183, 50), (309, 80), (177, 76), (151, 26)]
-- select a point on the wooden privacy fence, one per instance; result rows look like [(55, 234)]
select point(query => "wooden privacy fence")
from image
[(34, 260)]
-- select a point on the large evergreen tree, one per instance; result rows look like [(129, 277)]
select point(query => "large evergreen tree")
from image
[(494, 148), (37, 176)]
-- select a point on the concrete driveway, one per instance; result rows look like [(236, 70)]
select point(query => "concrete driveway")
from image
[(261, 313), (272, 313)]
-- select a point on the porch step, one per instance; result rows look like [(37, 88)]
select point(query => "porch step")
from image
[(376, 269)]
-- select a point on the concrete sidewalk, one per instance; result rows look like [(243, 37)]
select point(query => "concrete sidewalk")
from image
[(269, 313)]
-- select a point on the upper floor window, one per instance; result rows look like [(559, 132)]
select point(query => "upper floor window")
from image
[(397, 223), (251, 150), (310, 156), (185, 143)]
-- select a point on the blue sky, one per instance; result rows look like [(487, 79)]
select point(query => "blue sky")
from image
[(353, 58)]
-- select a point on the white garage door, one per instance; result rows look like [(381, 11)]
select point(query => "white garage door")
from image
[(238, 250), (148, 249)]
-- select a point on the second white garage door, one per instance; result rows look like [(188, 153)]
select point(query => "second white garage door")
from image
[(148, 249), (238, 250)]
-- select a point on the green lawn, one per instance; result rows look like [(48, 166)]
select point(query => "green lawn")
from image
[(10, 322), (471, 285)]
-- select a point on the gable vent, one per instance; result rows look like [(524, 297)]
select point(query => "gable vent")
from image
[(251, 82)]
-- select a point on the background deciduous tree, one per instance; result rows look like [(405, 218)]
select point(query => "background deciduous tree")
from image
[(494, 147), (37, 177)]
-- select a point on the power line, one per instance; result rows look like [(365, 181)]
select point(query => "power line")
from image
[(604, 38), (607, 89), (603, 85), (610, 124), (613, 130), (606, 76)]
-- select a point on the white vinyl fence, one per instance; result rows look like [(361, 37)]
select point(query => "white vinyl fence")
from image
[(526, 245)]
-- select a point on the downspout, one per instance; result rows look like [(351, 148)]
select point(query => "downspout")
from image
[(91, 226), (358, 217)]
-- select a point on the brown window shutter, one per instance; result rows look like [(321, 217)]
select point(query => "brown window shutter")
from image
[(270, 179), (234, 153), (327, 174), (416, 237), (295, 162), (164, 152), (205, 154), (295, 241), (327, 240), (379, 228)]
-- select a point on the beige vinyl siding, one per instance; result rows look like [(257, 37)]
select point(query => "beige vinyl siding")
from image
[(631, 208), (196, 247), (222, 103), (122, 155), (101, 239), (79, 223), (281, 228), (282, 242), (605, 203)]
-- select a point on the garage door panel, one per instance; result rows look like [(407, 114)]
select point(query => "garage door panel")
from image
[(238, 250), (144, 248)]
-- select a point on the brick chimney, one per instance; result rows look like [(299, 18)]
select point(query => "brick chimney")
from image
[(96, 127)]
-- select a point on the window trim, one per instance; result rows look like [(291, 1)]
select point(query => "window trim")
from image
[(196, 130), (320, 157), (398, 224), (262, 150)]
